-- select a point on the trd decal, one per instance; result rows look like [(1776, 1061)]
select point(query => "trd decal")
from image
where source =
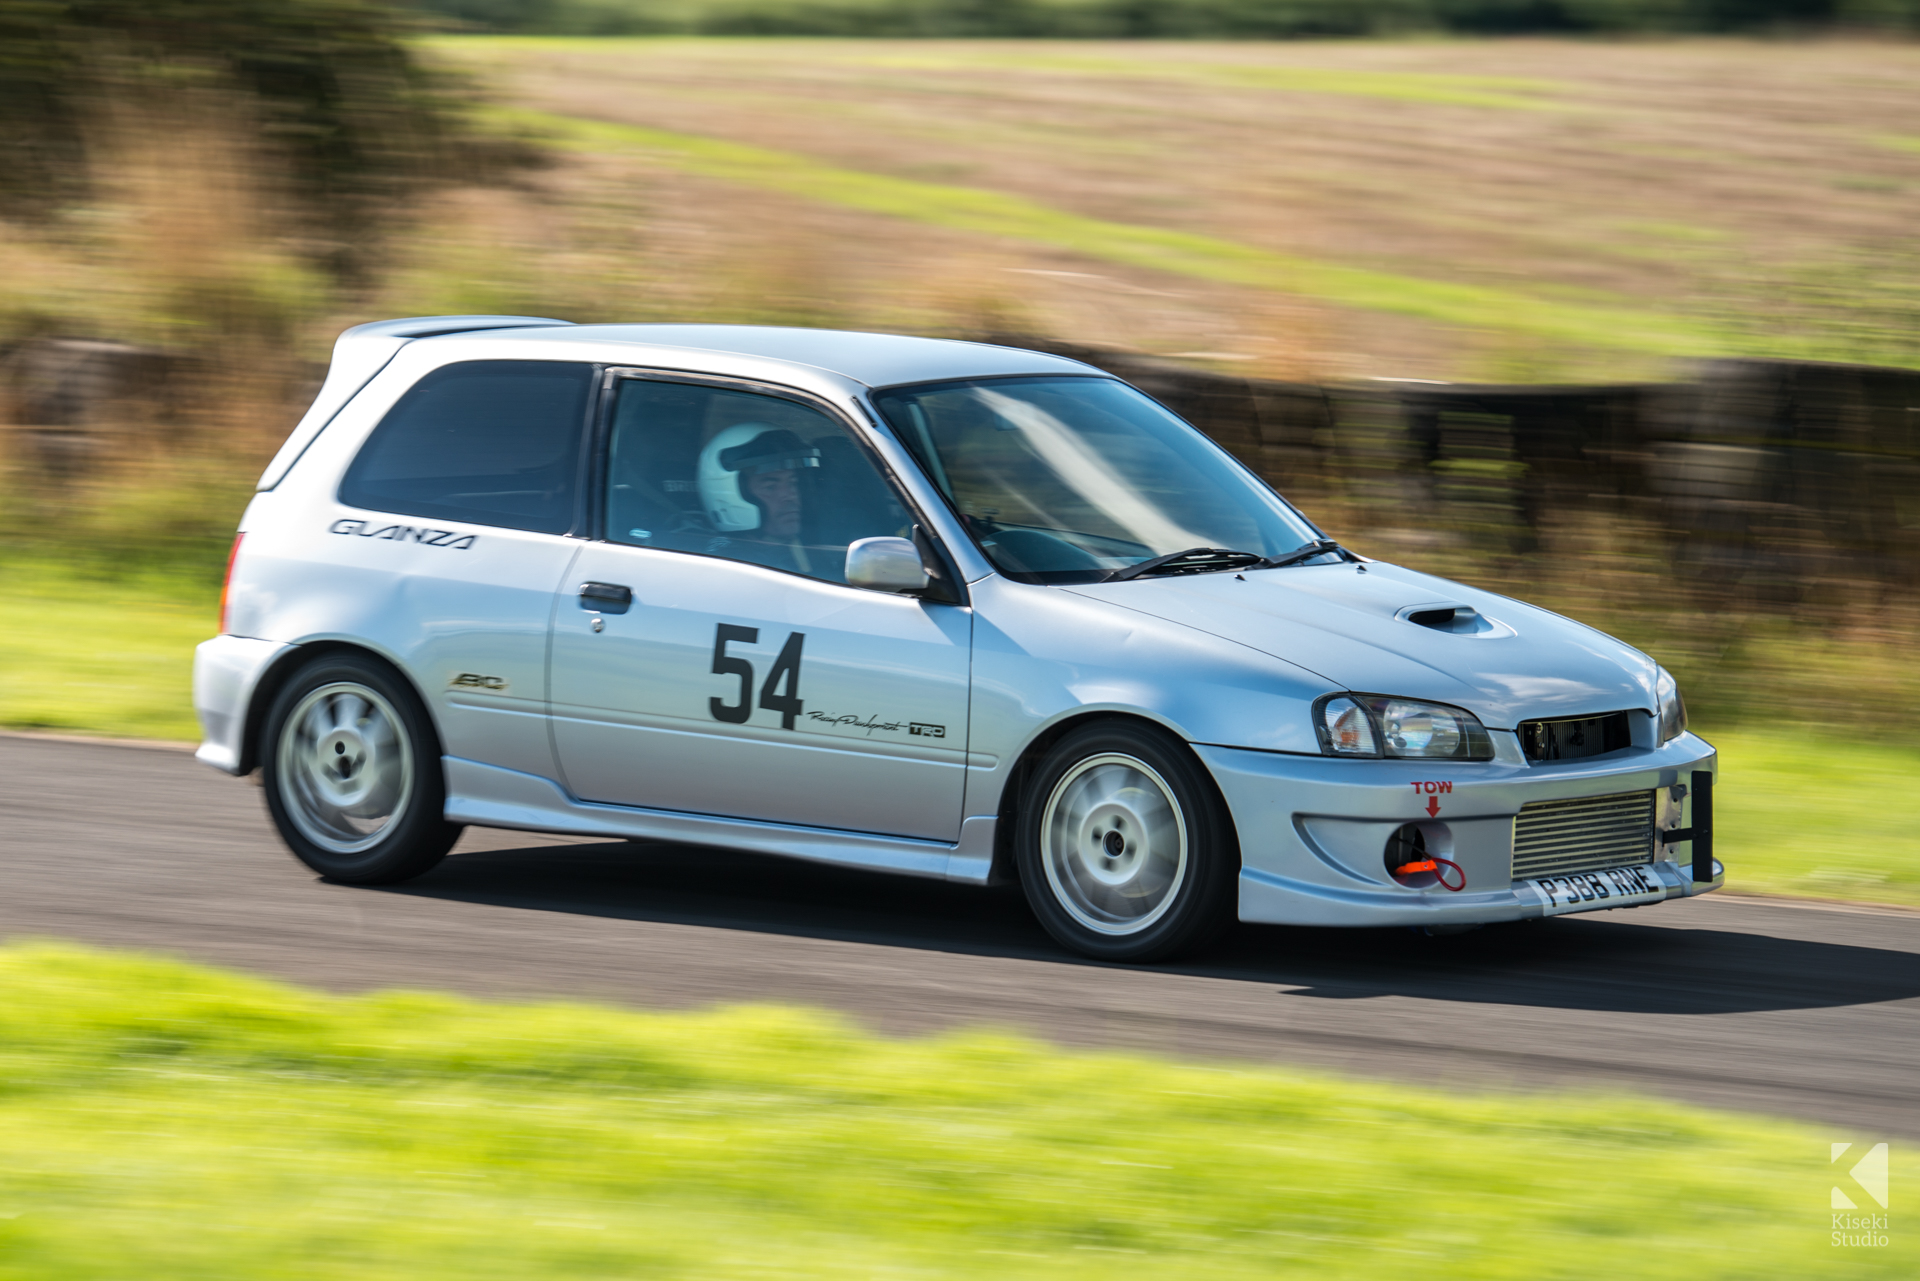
[(781, 691), (925, 730), (473, 680), (403, 533)]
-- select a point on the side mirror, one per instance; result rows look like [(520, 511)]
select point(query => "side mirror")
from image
[(886, 564)]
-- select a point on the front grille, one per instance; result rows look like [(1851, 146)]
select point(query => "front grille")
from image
[(1554, 838), (1575, 738)]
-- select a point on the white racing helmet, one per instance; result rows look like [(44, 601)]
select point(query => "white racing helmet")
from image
[(745, 449)]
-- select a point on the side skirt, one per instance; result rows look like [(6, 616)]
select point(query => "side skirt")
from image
[(489, 796)]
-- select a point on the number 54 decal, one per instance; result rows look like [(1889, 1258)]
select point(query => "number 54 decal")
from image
[(781, 691)]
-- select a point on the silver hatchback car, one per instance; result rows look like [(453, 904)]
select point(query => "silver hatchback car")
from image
[(930, 607)]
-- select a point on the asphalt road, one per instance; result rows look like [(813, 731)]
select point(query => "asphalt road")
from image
[(1800, 1010)]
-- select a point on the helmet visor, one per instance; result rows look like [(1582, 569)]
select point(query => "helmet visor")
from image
[(770, 451)]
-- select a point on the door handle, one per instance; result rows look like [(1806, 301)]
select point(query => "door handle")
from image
[(606, 598)]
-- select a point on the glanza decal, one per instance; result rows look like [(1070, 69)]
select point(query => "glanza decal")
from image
[(403, 533)]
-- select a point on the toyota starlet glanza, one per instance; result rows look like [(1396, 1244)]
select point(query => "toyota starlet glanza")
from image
[(939, 608)]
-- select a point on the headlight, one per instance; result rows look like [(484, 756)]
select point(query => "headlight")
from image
[(1673, 708), (1375, 725)]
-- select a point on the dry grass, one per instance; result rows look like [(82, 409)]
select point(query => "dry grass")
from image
[(1686, 179), (185, 243), (185, 252)]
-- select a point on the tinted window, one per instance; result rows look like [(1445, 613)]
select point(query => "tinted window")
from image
[(747, 477), (490, 442)]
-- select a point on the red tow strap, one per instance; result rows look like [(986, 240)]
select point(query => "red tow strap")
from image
[(1434, 865)]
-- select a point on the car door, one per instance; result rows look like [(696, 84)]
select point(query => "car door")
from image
[(708, 655), (449, 538)]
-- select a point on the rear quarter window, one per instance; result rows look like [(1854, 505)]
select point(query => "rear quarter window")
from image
[(487, 442)]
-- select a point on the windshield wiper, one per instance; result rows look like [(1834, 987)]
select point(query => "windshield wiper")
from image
[(1207, 560), (1307, 551), (1194, 560)]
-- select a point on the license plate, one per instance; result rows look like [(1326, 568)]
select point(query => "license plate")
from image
[(1591, 891)]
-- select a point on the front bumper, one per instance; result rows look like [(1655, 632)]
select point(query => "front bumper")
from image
[(1313, 830), (226, 671)]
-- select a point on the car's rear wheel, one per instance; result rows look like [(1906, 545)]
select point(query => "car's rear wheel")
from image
[(352, 773), (1126, 852)]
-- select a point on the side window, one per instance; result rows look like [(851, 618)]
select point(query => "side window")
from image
[(751, 478), (488, 442)]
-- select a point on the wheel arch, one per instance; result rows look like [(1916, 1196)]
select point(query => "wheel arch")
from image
[(271, 681), (1005, 870)]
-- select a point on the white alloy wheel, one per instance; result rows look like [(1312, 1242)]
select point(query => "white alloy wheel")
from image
[(345, 767), (1113, 842)]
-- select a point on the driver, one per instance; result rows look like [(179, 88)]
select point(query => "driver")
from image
[(750, 489)]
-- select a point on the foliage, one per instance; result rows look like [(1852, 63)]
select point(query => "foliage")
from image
[(1135, 19), (330, 87), (165, 1120)]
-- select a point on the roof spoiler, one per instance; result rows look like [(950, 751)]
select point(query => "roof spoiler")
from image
[(363, 351)]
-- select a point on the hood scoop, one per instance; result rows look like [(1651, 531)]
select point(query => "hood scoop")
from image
[(1454, 620)]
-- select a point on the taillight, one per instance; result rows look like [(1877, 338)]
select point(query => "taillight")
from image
[(226, 584)]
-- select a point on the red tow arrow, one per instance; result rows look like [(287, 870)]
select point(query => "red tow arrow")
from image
[(1433, 806)]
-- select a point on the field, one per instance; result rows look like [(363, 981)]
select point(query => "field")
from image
[(1521, 210), (168, 1121)]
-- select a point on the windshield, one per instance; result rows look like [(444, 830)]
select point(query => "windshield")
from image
[(1066, 480)]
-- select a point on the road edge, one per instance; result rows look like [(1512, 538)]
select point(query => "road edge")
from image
[(1799, 901), (101, 740)]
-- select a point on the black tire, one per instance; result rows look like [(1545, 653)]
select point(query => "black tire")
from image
[(351, 769), (1126, 851)]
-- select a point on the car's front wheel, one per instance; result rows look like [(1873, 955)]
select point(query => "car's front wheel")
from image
[(1126, 852), (352, 773)]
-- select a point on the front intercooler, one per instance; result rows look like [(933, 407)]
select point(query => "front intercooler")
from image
[(1591, 834)]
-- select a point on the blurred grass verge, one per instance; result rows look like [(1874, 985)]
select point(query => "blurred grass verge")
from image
[(113, 657), (1810, 814), (167, 1120)]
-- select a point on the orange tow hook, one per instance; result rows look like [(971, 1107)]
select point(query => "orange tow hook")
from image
[(1436, 866)]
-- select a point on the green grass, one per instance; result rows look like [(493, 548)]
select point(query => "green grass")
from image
[(163, 1120), (1183, 253), (100, 657), (1799, 814)]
